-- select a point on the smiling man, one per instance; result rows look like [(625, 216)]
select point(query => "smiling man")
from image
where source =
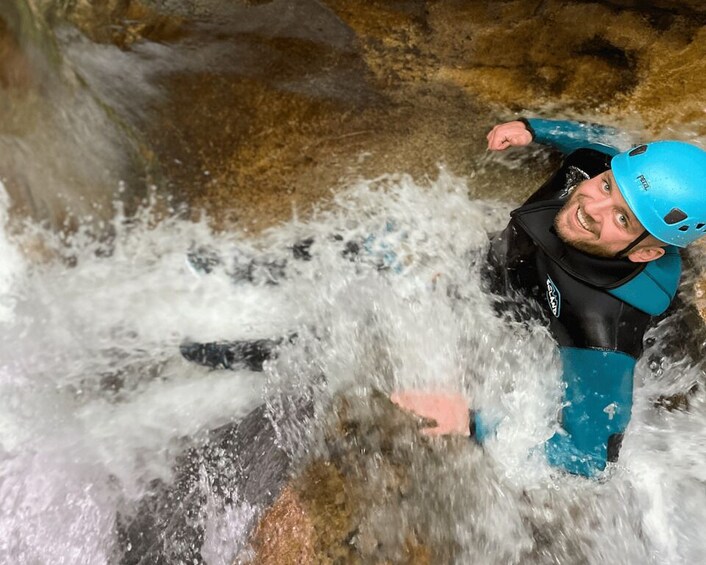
[(597, 247), (597, 220)]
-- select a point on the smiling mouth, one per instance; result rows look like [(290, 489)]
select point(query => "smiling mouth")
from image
[(581, 217)]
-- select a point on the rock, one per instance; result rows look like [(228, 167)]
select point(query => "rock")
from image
[(285, 535), (700, 291), (240, 458), (251, 149), (423, 78), (15, 72), (282, 105), (123, 22), (345, 508), (530, 54), (673, 80)]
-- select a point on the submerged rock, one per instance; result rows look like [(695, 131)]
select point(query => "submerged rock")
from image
[(309, 522)]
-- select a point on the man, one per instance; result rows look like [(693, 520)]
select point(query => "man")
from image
[(596, 245)]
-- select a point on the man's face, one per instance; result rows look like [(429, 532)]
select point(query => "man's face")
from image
[(596, 219)]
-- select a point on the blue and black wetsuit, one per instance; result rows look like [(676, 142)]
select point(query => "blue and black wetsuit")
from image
[(598, 308)]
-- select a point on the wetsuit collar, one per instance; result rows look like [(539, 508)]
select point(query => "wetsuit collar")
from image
[(538, 221)]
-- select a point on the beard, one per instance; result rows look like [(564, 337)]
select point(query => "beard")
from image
[(584, 245)]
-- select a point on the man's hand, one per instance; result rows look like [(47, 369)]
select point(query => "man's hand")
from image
[(509, 134), (449, 411)]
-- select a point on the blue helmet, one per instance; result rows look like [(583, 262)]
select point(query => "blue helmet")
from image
[(664, 183)]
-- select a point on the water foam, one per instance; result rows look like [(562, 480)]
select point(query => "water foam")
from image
[(97, 403)]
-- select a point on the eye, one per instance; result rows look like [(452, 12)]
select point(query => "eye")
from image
[(622, 220), (606, 186)]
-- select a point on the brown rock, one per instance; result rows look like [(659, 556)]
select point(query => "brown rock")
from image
[(354, 498), (123, 22), (417, 84), (673, 80), (647, 59), (251, 152), (310, 521), (285, 534), (324, 493), (15, 72)]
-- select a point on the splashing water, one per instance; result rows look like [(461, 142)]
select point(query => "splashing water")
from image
[(97, 404)]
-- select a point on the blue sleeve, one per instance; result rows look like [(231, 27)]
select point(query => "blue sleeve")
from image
[(596, 409), (482, 427), (567, 136)]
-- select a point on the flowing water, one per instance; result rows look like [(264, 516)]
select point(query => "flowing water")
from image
[(98, 408)]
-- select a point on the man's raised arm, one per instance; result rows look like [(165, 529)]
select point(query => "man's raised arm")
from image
[(564, 135)]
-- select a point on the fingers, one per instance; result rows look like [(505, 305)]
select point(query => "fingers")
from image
[(499, 142), (407, 398), (506, 135), (492, 144), (498, 139), (415, 403), (446, 413), (412, 401)]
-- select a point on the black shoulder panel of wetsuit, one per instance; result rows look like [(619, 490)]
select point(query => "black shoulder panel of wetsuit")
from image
[(511, 261), (587, 317), (577, 166)]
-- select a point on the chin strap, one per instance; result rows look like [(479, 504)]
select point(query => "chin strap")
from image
[(630, 247)]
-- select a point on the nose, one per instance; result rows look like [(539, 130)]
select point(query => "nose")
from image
[(597, 208)]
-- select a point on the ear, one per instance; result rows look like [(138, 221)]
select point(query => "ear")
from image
[(646, 254)]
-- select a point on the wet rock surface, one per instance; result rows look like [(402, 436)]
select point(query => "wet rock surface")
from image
[(290, 101), (283, 103), (367, 500), (266, 107), (619, 59), (278, 133), (285, 534), (124, 22), (15, 73), (238, 462)]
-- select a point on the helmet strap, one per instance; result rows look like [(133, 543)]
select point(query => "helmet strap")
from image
[(631, 246)]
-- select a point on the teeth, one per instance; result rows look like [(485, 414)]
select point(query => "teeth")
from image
[(582, 219)]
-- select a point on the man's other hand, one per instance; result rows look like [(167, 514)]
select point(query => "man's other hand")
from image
[(509, 134), (449, 411)]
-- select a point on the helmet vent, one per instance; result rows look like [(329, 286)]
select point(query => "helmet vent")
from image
[(675, 216), (700, 226), (684, 228), (639, 150)]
